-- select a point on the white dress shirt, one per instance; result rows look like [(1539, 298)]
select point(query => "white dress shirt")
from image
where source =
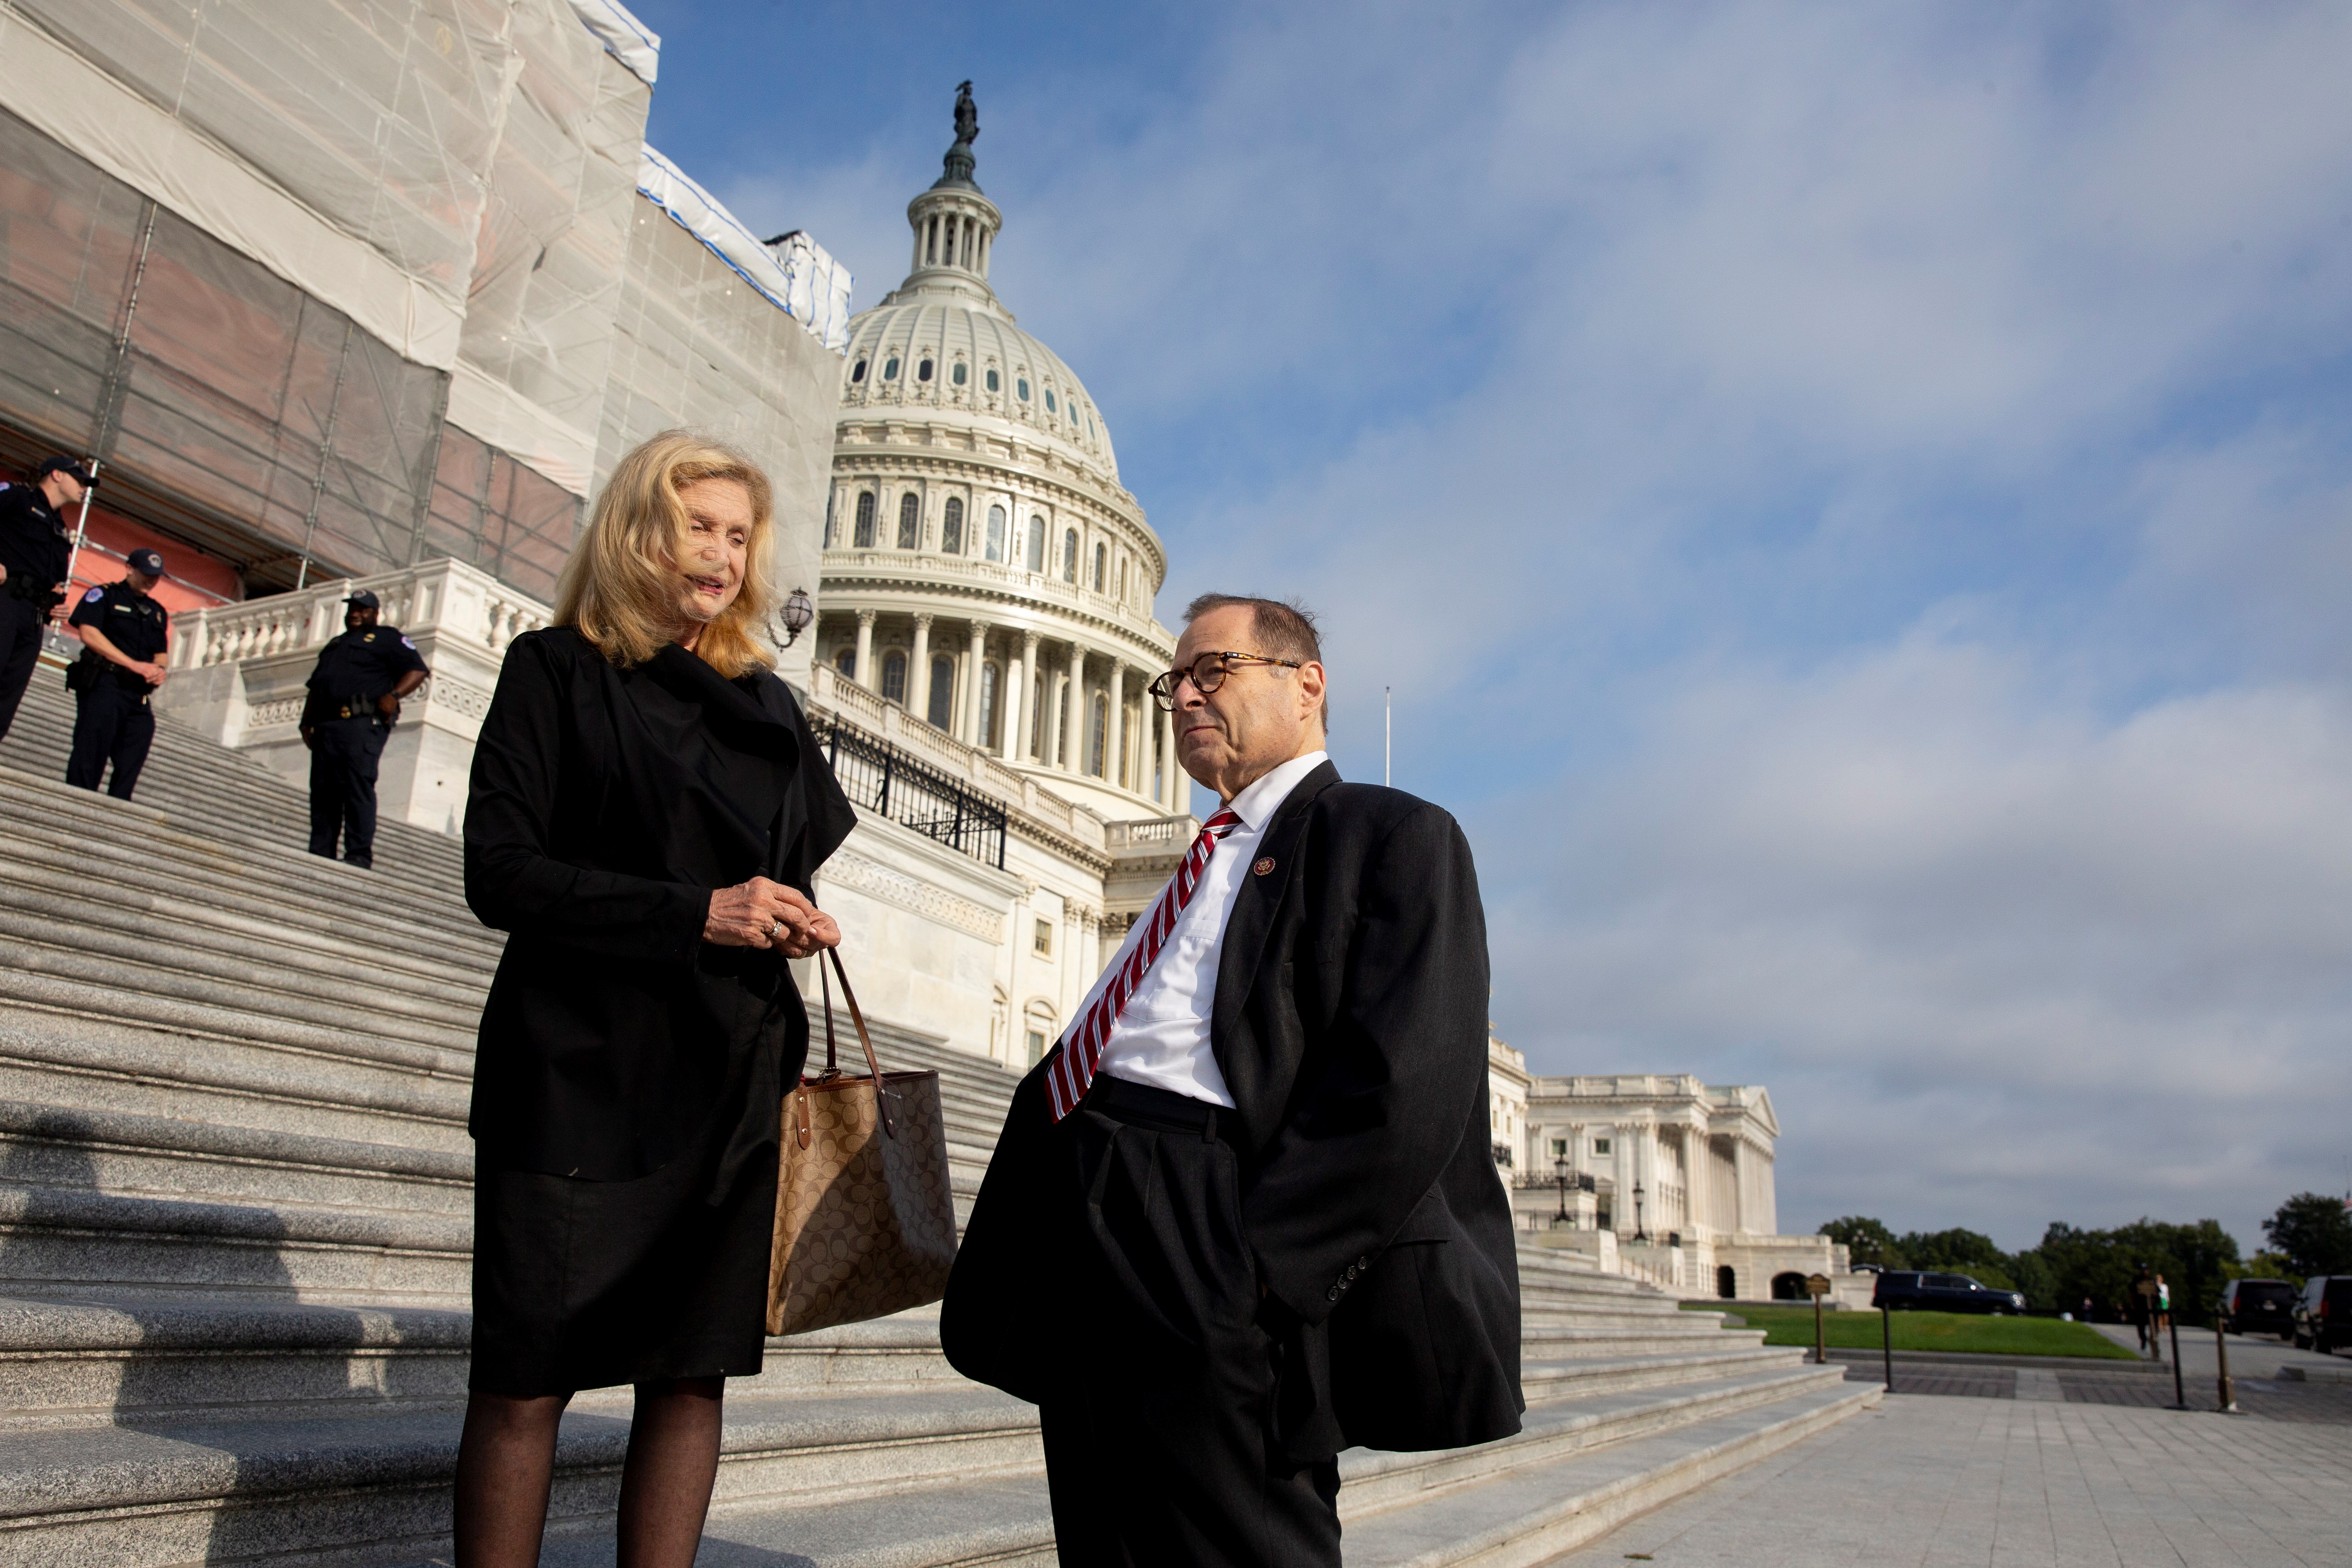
[(1161, 1036)]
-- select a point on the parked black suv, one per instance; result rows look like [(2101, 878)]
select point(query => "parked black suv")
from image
[(1907, 1291), (2323, 1317), (2259, 1307)]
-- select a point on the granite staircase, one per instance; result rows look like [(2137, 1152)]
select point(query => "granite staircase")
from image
[(235, 1232)]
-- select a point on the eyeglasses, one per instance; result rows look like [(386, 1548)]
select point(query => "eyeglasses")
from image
[(1208, 673)]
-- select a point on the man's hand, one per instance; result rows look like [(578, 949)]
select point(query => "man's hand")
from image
[(388, 705), (153, 669), (762, 913), (309, 738)]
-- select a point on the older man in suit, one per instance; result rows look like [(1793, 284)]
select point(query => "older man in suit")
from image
[(1244, 1213)]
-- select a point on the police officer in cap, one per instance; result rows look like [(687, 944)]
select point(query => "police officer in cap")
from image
[(123, 635), (354, 701), (35, 548)]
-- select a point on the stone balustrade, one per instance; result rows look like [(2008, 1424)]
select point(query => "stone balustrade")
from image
[(835, 693), (238, 674)]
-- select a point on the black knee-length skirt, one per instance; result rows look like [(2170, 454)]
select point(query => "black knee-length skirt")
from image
[(583, 1284)]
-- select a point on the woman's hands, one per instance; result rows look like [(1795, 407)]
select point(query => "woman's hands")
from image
[(761, 914)]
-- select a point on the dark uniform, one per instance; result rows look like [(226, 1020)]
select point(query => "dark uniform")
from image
[(348, 733), (35, 547), (114, 719)]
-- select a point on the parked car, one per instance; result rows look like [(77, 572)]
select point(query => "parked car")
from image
[(2259, 1307), (1905, 1291), (2323, 1317)]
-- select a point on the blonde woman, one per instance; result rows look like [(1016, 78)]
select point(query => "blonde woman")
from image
[(647, 814)]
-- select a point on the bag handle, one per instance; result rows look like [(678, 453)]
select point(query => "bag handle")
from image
[(832, 1069)]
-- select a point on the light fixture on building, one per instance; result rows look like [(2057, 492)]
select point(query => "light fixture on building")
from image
[(1637, 1213), (1559, 1174), (796, 615)]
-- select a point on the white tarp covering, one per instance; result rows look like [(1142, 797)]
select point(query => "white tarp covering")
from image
[(820, 287), (633, 43), (821, 284)]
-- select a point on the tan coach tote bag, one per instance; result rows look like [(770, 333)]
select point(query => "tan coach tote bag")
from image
[(865, 1218)]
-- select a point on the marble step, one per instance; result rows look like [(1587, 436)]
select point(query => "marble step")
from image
[(1549, 1382), (58, 1241), (1534, 1513), (360, 1490), (179, 866), (1648, 1448), (74, 1064), (186, 773), (102, 1362)]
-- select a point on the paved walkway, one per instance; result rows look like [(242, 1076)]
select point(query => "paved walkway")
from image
[(2018, 1483)]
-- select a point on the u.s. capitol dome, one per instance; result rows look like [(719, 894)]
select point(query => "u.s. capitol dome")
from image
[(983, 567)]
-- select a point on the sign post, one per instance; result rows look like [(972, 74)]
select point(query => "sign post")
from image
[(1886, 1341), (1818, 1285)]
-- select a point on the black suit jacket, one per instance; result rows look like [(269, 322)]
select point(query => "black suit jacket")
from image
[(607, 805), (1351, 1026)]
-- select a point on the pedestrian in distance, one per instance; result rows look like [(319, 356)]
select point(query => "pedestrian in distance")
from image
[(36, 552), (647, 814), (125, 633), (1243, 1214), (354, 700)]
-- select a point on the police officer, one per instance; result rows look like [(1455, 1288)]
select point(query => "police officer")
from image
[(35, 548), (122, 635), (354, 701)]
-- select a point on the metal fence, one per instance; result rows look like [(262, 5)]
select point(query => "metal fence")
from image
[(884, 780)]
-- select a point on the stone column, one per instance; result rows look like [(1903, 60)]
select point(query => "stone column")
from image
[(1014, 699), (1115, 753), (863, 673), (1177, 778), (1049, 738), (1074, 716), (968, 732), (919, 678)]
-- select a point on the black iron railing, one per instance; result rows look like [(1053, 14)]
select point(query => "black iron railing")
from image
[(882, 779)]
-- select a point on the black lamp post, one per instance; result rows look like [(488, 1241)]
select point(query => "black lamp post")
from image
[(1638, 1234), (1559, 1174), (796, 615)]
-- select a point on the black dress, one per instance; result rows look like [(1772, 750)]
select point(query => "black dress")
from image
[(628, 1078)]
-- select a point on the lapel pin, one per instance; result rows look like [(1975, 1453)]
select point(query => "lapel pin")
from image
[(1263, 865)]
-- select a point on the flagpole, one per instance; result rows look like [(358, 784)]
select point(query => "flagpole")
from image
[(81, 527), (1388, 729)]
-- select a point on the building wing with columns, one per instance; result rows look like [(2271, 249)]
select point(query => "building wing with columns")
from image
[(1660, 1175), (986, 610)]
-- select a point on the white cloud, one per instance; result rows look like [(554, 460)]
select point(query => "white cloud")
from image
[(1853, 502)]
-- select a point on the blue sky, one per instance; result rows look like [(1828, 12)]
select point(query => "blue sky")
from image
[(1852, 502)]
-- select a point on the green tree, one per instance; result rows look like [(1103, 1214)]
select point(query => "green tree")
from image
[(2315, 1232), (1865, 1241)]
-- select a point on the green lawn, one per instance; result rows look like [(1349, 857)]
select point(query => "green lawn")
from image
[(1931, 1331)]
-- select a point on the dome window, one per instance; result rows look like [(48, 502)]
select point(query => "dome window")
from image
[(952, 527), (857, 372), (890, 368), (864, 536), (996, 533), (960, 374), (994, 385), (894, 676), (941, 707), (910, 520), (1037, 545), (1102, 557), (1049, 401), (1070, 555), (923, 371), (1021, 387)]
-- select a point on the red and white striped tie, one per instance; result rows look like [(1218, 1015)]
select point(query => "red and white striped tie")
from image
[(1082, 1049)]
